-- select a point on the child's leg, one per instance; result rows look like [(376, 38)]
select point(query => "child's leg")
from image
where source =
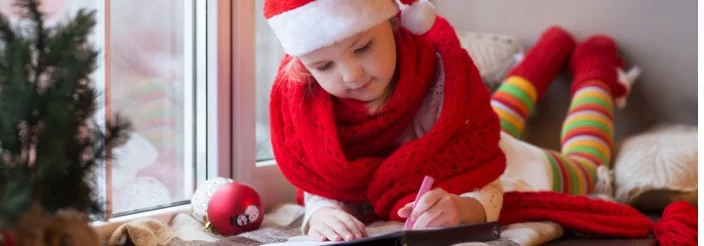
[(525, 84), (588, 130), (587, 138)]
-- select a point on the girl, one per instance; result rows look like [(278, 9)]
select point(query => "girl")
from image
[(363, 108), (365, 93)]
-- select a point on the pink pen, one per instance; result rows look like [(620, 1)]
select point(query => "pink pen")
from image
[(424, 188)]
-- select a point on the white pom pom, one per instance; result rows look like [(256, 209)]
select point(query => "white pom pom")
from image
[(627, 79), (419, 17)]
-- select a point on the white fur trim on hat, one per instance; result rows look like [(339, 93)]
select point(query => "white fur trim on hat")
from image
[(323, 22), (419, 17)]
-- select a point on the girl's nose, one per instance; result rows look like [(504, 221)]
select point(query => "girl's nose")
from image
[(351, 73)]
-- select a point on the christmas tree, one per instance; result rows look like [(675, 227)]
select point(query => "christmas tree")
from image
[(50, 143)]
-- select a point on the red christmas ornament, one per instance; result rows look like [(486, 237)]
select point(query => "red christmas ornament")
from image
[(235, 208)]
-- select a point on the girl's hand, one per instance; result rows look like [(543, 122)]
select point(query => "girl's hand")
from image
[(438, 208), (335, 225)]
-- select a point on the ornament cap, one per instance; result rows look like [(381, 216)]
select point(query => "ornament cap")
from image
[(208, 226)]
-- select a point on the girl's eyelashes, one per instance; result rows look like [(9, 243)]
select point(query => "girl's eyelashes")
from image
[(359, 50), (325, 67), (364, 48)]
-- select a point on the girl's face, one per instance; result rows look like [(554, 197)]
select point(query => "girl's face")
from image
[(359, 67)]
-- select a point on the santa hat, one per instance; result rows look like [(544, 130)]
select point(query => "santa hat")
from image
[(303, 26)]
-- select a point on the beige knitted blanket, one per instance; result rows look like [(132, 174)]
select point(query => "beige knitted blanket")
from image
[(282, 224)]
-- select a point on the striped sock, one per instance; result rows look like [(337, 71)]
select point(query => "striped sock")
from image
[(571, 175), (545, 59), (513, 102), (526, 83), (587, 139)]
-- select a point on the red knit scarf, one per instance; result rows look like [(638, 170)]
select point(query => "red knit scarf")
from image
[(334, 148)]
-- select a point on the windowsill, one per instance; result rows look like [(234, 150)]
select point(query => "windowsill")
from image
[(266, 163), (105, 229), (269, 182)]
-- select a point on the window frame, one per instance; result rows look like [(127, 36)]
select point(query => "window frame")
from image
[(264, 176)]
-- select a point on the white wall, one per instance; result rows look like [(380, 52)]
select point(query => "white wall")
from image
[(660, 36)]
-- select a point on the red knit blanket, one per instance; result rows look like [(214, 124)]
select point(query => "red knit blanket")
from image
[(335, 148)]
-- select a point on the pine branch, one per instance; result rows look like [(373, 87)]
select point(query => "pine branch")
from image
[(15, 94), (32, 6), (6, 32), (14, 194), (47, 103), (118, 133), (7, 35), (72, 61), (38, 18)]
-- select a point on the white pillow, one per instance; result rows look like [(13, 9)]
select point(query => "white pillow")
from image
[(493, 54), (657, 167)]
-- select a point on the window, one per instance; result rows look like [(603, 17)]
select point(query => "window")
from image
[(150, 79), (184, 73), (198, 57), (153, 70), (148, 72), (269, 54)]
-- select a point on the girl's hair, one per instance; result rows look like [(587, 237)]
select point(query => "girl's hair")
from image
[(293, 69)]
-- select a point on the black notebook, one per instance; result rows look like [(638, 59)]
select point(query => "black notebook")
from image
[(443, 236), (437, 237)]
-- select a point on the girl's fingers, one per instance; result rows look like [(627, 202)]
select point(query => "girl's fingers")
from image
[(352, 229), (426, 202), (447, 214), (441, 220), (315, 235), (361, 226), (405, 211), (336, 230), (426, 218)]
